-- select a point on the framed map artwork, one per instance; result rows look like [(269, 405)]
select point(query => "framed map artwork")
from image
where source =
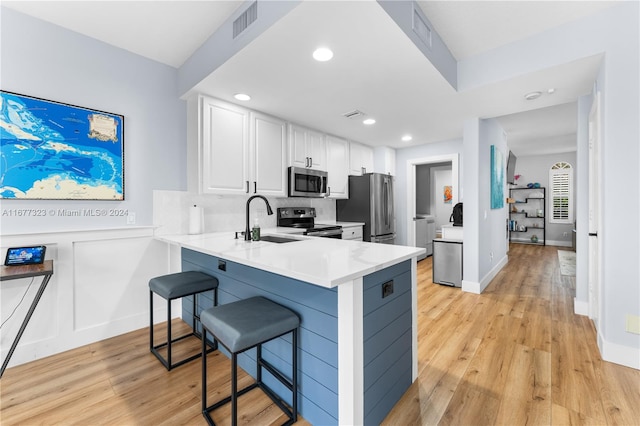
[(55, 151)]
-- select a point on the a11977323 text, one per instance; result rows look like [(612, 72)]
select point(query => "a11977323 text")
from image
[(83, 212)]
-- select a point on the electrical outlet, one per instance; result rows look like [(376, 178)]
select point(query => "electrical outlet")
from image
[(131, 218), (633, 324), (564, 234)]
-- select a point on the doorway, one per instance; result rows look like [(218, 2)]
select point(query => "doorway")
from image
[(413, 177)]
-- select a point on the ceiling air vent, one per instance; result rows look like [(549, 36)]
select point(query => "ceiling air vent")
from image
[(353, 114), (420, 26), (246, 19)]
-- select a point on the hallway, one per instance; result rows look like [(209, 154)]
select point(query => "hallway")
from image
[(514, 355)]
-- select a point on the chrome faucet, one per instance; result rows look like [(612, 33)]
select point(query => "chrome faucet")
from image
[(247, 233)]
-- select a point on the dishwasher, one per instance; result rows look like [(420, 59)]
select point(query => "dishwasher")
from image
[(447, 262)]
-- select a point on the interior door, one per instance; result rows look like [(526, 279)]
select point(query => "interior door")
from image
[(594, 210)]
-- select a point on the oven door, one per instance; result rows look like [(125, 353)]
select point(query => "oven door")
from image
[(307, 182), (333, 233)]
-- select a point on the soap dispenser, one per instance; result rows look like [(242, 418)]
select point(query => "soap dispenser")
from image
[(255, 232)]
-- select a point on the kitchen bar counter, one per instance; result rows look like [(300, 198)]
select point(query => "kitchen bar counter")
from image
[(326, 262), (358, 309)]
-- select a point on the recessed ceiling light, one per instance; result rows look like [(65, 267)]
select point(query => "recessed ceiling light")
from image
[(369, 121), (322, 54), (532, 95), (242, 97), (551, 91), (406, 138)]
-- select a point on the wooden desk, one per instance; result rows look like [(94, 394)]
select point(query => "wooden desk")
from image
[(44, 270)]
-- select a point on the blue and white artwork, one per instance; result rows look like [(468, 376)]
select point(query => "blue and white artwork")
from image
[(55, 151), (497, 178)]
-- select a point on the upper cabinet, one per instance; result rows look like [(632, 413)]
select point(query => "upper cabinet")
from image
[(241, 151), (307, 148), (360, 159), (337, 167), (224, 148), (268, 155)]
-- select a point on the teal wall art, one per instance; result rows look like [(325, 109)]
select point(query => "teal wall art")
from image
[(497, 178)]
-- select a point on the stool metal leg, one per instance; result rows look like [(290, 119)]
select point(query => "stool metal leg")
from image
[(169, 366), (150, 320), (234, 389), (167, 362), (294, 375)]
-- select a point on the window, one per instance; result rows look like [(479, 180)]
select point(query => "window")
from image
[(561, 193)]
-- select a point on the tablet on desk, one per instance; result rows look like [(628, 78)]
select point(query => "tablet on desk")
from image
[(33, 255)]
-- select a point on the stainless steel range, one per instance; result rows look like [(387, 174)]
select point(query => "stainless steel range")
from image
[(304, 218)]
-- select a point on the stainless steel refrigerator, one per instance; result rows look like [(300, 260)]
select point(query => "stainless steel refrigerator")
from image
[(370, 201)]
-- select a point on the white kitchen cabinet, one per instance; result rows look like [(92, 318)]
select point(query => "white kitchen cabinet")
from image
[(337, 167), (360, 159), (268, 150), (307, 148), (352, 233), (224, 147), (241, 151)]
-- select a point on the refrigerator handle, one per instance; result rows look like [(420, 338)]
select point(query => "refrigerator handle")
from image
[(386, 202)]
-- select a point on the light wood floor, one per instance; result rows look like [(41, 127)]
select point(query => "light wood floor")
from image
[(514, 355)]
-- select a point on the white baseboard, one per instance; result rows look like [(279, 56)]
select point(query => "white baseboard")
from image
[(559, 243), (580, 307), (477, 288), (618, 354)]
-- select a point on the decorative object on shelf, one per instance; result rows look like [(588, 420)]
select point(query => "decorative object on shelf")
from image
[(497, 178), (527, 222), (56, 151)]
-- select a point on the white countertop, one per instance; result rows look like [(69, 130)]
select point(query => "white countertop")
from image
[(326, 262)]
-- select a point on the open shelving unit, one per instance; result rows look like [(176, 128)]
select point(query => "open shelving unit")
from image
[(527, 216)]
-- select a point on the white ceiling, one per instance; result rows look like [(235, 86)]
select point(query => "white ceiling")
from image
[(376, 69)]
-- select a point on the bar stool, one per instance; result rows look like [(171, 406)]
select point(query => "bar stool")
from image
[(240, 326), (175, 286)]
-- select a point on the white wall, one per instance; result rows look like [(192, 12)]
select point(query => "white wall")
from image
[(485, 243), (101, 265), (440, 177), (46, 61)]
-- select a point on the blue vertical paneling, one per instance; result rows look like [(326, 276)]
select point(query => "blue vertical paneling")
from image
[(387, 341), (318, 350), (387, 334)]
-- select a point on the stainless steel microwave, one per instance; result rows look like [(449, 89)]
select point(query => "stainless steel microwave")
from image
[(307, 182)]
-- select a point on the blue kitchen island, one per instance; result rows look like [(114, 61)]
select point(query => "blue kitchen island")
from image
[(357, 304)]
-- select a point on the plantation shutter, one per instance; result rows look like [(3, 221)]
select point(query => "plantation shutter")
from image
[(560, 178)]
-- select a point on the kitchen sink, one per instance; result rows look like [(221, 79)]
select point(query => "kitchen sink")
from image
[(274, 239)]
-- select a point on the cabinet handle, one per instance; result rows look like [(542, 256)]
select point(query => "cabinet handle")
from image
[(247, 187), (255, 187)]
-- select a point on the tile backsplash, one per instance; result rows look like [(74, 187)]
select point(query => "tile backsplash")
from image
[(225, 212)]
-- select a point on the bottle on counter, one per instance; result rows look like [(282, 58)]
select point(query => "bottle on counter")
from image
[(255, 231)]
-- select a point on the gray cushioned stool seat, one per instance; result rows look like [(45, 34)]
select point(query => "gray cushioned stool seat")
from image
[(173, 286), (244, 324)]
